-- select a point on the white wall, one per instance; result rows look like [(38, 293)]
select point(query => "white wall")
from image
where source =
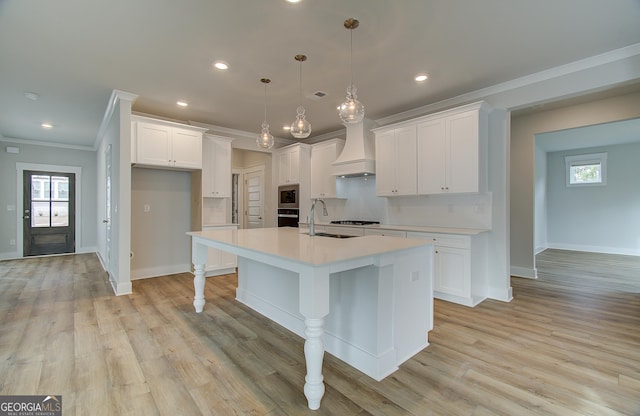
[(596, 218), (159, 242)]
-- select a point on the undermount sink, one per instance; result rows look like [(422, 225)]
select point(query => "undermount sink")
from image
[(333, 235)]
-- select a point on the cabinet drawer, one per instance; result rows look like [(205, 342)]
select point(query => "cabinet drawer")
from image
[(390, 233), (444, 240)]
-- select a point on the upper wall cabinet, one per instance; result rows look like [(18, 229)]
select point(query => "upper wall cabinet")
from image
[(450, 153), (396, 161), (216, 167), (323, 154), (159, 143), (290, 160)]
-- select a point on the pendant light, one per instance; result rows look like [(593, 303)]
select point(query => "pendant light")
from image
[(351, 111), (300, 128), (265, 139)]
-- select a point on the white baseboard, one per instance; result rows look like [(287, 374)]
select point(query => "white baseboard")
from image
[(10, 255), (504, 295), (595, 249), (529, 273), (120, 288)]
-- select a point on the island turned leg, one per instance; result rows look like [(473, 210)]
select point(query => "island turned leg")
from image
[(314, 306), (198, 285), (314, 354), (199, 258)]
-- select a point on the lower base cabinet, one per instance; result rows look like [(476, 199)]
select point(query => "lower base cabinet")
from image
[(455, 279), (220, 262)]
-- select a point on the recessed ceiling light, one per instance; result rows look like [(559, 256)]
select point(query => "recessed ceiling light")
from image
[(286, 127), (46, 125), (31, 95), (221, 65), (421, 77), (182, 103), (294, 1)]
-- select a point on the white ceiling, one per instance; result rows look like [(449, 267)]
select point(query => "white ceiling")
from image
[(73, 53)]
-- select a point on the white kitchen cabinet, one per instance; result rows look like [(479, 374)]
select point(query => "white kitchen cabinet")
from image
[(454, 278), (451, 153), (291, 159), (158, 143), (218, 261), (396, 161), (323, 154), (216, 167)]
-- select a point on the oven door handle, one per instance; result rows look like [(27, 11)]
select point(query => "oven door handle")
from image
[(287, 216)]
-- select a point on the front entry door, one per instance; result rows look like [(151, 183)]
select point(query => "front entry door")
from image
[(49, 213)]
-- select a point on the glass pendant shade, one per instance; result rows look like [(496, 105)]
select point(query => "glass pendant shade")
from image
[(351, 110), (265, 140), (300, 128)]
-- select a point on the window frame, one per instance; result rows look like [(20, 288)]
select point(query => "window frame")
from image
[(586, 159)]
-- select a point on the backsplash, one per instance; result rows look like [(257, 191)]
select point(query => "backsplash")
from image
[(359, 201)]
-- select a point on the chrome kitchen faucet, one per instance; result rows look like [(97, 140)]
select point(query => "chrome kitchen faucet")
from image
[(312, 225)]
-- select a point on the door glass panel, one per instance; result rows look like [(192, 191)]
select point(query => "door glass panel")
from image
[(40, 214), (60, 214)]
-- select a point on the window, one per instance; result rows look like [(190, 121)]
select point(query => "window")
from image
[(586, 169)]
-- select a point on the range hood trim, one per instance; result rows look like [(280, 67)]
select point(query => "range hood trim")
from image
[(358, 155)]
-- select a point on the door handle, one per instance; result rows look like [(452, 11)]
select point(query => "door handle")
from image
[(26, 217), (105, 221)]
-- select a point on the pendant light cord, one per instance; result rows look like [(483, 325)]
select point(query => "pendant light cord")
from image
[(351, 55)]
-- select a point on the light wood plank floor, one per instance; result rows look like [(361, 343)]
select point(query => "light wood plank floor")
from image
[(568, 344)]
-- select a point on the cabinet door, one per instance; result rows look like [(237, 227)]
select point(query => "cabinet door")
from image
[(385, 164), (431, 157), (294, 165), (406, 161), (284, 166), (289, 166), (323, 184), (153, 144), (216, 168), (452, 271), (221, 169), (186, 149), (463, 147)]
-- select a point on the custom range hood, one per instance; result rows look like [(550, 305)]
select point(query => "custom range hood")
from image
[(358, 156)]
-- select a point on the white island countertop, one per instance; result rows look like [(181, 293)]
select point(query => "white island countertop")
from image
[(289, 243)]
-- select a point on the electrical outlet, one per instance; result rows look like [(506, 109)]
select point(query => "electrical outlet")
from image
[(147, 208), (12, 242)]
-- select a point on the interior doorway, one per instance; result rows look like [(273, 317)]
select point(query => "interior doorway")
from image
[(48, 213), (254, 198)]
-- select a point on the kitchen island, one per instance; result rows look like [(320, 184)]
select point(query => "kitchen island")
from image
[(366, 300)]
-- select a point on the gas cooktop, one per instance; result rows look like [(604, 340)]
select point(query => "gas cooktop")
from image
[(354, 222)]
